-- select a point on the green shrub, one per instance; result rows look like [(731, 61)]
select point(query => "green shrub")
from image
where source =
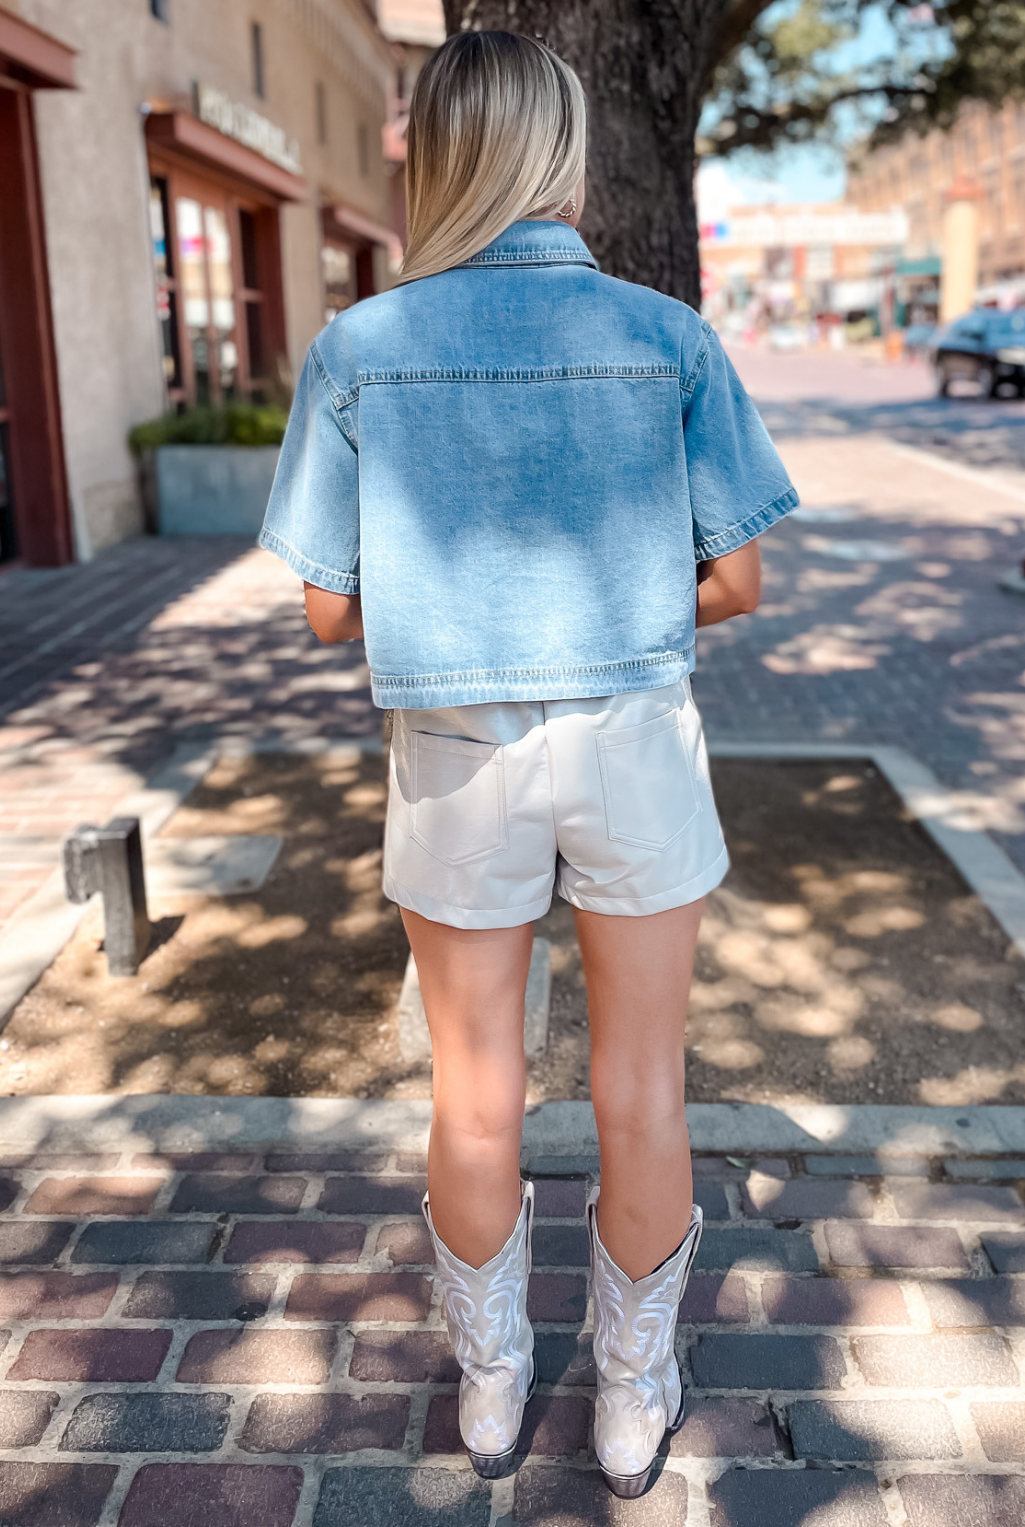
[(234, 424)]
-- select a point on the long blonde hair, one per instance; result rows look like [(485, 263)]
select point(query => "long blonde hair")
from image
[(497, 132)]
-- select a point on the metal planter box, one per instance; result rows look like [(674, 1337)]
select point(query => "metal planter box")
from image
[(213, 490)]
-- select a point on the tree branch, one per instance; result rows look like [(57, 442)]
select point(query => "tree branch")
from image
[(739, 16)]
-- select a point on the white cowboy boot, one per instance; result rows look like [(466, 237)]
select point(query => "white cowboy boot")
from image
[(486, 1311), (640, 1387)]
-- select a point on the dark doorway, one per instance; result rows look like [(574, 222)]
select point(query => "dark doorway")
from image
[(35, 523)]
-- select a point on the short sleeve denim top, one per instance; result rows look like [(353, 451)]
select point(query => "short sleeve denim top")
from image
[(517, 463)]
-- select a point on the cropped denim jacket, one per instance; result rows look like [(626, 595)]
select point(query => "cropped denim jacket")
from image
[(517, 464)]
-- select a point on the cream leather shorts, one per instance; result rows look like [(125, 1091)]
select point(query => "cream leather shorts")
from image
[(607, 800)]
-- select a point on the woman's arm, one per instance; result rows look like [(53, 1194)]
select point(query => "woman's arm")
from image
[(333, 617), (730, 585)]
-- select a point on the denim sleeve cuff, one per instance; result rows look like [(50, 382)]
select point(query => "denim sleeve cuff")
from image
[(709, 547), (311, 572)]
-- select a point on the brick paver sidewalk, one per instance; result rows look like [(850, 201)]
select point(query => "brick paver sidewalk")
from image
[(221, 1340)]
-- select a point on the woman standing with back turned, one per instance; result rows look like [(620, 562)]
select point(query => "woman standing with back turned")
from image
[(528, 482)]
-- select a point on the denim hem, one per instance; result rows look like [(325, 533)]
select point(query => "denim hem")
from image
[(745, 530), (431, 691), (311, 572)]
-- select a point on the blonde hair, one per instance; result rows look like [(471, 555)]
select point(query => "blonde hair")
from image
[(497, 132)]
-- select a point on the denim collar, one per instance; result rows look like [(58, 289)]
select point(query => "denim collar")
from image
[(534, 243)]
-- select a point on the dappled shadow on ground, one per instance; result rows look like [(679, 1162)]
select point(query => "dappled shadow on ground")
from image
[(214, 641), (881, 621), (843, 959), (845, 952), (287, 992), (977, 432)]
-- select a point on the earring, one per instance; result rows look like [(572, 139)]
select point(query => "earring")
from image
[(572, 209)]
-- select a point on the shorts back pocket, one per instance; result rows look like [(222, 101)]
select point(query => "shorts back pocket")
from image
[(458, 810), (647, 776)]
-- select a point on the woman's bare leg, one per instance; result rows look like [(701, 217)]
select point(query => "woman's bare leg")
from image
[(638, 972), (474, 984)]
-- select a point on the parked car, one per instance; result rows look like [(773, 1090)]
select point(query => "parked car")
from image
[(787, 336), (986, 347)]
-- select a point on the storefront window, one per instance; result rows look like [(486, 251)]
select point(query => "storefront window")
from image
[(339, 270), (217, 273), (222, 302), (252, 295), (189, 216), (208, 298)]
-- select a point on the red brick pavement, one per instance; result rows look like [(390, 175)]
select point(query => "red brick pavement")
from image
[(148, 1373)]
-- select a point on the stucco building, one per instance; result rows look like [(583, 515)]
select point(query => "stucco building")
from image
[(187, 192)]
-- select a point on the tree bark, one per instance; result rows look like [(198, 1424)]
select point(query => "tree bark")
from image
[(645, 65)]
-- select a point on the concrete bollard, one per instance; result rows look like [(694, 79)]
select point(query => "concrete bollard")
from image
[(109, 860)]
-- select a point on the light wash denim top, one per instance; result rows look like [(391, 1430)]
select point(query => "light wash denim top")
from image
[(516, 464)]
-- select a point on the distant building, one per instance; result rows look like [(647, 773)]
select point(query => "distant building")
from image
[(415, 28), (187, 190), (986, 147), (766, 265)]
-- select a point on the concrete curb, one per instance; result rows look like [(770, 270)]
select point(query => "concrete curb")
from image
[(170, 1121), (982, 477), (986, 868)]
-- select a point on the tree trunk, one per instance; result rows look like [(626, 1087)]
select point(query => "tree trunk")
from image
[(645, 65)]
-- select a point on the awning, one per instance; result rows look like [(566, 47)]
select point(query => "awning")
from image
[(357, 225), (34, 57), (930, 265), (186, 135)]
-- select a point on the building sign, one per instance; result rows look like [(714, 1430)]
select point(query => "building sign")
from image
[(789, 229), (247, 127)]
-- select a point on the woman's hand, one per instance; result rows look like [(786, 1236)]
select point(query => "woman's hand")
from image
[(730, 585), (333, 617)]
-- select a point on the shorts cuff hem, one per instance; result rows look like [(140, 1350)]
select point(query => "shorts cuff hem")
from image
[(664, 901), (464, 917)]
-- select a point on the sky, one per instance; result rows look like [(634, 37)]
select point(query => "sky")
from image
[(800, 174)]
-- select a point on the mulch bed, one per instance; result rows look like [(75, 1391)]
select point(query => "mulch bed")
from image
[(843, 959)]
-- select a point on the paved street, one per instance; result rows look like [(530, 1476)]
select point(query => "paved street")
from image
[(196, 1339)]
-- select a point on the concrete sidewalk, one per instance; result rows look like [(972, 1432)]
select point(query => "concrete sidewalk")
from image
[(216, 1337)]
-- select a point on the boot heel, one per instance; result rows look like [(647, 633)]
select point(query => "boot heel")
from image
[(492, 1465), (627, 1486)]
